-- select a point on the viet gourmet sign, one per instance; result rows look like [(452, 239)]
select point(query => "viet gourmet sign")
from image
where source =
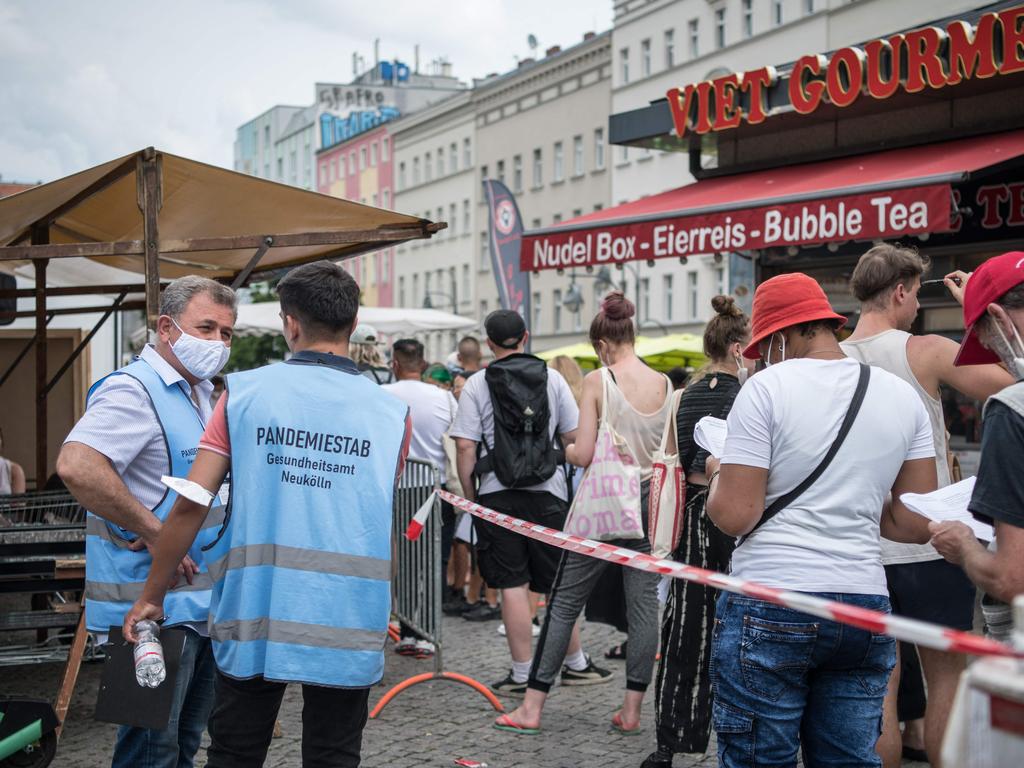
[(888, 214), (923, 59)]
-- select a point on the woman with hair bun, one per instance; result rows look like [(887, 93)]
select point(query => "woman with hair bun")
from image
[(683, 698), (639, 401)]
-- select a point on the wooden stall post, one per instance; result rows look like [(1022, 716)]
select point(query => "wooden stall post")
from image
[(149, 191)]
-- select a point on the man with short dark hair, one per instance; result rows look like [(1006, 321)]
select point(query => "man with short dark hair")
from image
[(922, 585), (994, 318), (142, 422), (510, 562), (468, 356), (302, 566)]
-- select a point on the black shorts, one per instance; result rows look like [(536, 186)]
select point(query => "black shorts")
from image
[(508, 559), (935, 591)]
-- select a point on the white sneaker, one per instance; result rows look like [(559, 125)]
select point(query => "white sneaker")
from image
[(534, 630), (406, 646), (424, 649)]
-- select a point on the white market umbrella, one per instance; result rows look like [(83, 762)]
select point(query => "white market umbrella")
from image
[(256, 319)]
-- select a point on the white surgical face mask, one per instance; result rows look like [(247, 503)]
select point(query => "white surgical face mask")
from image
[(782, 349), (741, 370), (1012, 356), (203, 358)]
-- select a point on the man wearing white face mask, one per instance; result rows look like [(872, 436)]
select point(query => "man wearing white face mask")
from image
[(994, 318), (142, 422)]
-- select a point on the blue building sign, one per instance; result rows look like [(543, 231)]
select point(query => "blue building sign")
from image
[(334, 129)]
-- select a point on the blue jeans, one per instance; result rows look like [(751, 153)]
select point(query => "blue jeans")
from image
[(783, 679), (176, 746)]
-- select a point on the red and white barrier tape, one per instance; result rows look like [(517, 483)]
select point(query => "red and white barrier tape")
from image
[(908, 630)]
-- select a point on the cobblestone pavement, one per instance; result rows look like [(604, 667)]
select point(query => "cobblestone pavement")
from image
[(427, 725)]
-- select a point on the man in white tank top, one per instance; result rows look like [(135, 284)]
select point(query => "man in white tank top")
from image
[(923, 586)]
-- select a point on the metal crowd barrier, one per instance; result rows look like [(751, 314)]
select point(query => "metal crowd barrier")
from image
[(418, 580)]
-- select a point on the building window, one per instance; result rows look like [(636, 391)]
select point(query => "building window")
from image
[(598, 148), (748, 18), (401, 175), (808, 7), (415, 170), (624, 59), (577, 212), (720, 28), (465, 216), (483, 309), (559, 169), (339, 167), (485, 174), (538, 168), (375, 200), (556, 310), (401, 291), (691, 290), (426, 284), (280, 169), (720, 281), (453, 158), (623, 154), (694, 29), (362, 158), (428, 167), (556, 219), (466, 288), (645, 58), (535, 224), (440, 162), (387, 199), (537, 316), (324, 174), (453, 219), (415, 290), (517, 173), (485, 253), (351, 163), (467, 154), (777, 12), (385, 149), (577, 155), (645, 297), (373, 155), (670, 48), (501, 171), (666, 300)]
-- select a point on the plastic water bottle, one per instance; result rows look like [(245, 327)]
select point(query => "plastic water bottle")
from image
[(149, 655)]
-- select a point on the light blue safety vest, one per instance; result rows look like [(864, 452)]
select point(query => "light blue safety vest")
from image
[(115, 575), (302, 588)]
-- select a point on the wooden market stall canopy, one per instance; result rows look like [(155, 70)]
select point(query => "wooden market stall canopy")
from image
[(163, 216)]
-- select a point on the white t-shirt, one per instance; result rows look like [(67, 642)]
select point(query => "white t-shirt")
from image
[(784, 420), (475, 421), (432, 410)]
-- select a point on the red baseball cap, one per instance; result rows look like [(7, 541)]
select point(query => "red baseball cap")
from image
[(989, 283), (783, 301)]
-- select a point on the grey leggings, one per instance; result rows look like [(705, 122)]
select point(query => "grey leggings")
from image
[(577, 574)]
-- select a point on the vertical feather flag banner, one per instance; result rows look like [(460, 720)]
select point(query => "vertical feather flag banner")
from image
[(505, 234)]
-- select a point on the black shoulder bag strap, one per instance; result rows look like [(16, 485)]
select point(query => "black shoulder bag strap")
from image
[(851, 415)]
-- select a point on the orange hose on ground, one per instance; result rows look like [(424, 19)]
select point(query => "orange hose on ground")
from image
[(427, 676)]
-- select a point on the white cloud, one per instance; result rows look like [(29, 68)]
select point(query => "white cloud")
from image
[(86, 82)]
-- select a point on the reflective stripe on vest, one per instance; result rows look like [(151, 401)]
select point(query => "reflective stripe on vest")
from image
[(114, 574), (302, 576)]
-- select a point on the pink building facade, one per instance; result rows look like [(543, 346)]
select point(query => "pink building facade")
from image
[(362, 170)]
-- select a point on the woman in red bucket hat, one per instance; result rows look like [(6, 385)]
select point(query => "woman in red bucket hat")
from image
[(816, 443)]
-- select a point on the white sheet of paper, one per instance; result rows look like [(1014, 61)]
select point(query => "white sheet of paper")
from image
[(709, 434), (949, 503), (194, 492)]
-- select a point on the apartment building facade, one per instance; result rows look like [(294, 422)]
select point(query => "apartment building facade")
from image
[(436, 178)]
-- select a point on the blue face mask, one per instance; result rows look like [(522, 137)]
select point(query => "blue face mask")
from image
[(203, 358)]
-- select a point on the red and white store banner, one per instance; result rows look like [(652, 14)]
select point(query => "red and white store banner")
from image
[(909, 630), (882, 214)]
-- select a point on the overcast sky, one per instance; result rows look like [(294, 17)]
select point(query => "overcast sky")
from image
[(84, 81)]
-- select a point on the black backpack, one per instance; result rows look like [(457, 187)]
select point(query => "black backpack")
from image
[(523, 454)]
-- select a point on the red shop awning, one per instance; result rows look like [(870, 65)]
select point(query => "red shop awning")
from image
[(881, 195)]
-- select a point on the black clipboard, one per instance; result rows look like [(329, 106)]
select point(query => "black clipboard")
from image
[(121, 699)]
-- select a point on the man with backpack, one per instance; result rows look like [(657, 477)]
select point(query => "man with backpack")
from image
[(511, 428)]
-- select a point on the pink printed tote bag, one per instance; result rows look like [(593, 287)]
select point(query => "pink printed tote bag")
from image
[(607, 503)]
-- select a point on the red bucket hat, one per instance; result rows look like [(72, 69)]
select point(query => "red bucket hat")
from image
[(987, 285), (783, 301)]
